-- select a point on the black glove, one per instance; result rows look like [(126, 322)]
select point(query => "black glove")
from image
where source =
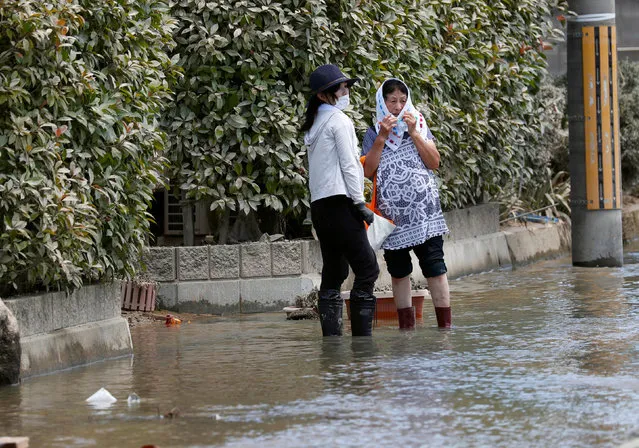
[(365, 212)]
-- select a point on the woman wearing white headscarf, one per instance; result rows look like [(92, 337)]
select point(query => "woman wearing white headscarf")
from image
[(401, 153)]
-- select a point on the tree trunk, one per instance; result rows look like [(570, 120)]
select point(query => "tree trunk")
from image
[(245, 228), (187, 220), (223, 230)]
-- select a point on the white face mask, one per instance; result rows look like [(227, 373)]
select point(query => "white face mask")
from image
[(343, 102)]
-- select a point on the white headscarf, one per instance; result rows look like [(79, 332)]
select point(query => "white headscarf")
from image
[(397, 133)]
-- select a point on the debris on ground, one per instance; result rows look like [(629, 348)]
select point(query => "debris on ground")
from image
[(301, 313), (307, 301), (305, 307), (102, 396), (137, 318), (173, 413), (630, 199), (14, 442)]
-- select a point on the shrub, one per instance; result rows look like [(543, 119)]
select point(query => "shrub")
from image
[(552, 184), (549, 187), (235, 124), (475, 67), (549, 196), (629, 123), (81, 85), (553, 111)]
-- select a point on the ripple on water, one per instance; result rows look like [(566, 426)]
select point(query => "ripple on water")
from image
[(542, 355)]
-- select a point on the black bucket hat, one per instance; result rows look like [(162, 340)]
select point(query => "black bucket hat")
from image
[(328, 75)]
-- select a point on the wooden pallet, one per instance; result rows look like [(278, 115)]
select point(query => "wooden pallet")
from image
[(138, 297)]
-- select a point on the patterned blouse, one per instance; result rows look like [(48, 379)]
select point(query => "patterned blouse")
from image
[(407, 194)]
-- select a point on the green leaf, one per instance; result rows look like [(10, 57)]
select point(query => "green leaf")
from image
[(237, 121)]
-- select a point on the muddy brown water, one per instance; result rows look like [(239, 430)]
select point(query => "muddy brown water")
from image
[(544, 355)]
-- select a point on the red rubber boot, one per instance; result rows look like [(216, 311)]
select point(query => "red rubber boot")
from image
[(443, 316), (406, 318)]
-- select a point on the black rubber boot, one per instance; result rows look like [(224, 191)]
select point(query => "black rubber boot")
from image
[(330, 307), (362, 305)]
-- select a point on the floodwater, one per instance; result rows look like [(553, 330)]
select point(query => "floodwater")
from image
[(545, 355)]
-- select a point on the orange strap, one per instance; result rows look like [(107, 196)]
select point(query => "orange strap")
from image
[(373, 203)]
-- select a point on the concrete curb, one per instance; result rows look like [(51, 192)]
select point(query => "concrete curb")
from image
[(630, 223), (259, 277), (59, 330), (75, 346), (512, 246)]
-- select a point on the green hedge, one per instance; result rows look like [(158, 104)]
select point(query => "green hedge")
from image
[(475, 70), (81, 86), (629, 124), (234, 125), (474, 66)]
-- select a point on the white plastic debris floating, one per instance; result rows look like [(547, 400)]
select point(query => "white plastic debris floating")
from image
[(133, 399), (101, 399)]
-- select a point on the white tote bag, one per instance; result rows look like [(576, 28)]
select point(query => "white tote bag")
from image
[(378, 231)]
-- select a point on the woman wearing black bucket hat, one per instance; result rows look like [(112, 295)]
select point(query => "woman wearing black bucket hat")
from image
[(338, 211)]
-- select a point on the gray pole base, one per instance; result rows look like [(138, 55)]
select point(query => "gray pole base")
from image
[(596, 238)]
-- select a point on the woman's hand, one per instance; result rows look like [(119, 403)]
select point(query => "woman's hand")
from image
[(411, 122), (386, 125)]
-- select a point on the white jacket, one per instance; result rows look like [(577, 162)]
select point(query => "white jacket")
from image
[(333, 156)]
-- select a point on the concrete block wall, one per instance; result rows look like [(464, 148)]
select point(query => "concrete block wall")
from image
[(229, 279), (258, 277)]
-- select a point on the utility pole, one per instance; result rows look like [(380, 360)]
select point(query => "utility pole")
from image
[(593, 113)]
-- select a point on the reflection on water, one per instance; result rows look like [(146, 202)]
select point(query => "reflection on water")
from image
[(544, 355)]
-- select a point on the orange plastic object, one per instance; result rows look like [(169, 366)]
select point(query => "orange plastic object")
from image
[(373, 203), (386, 308), (172, 320)]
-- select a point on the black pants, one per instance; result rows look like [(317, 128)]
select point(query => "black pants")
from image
[(343, 242), (430, 255)]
